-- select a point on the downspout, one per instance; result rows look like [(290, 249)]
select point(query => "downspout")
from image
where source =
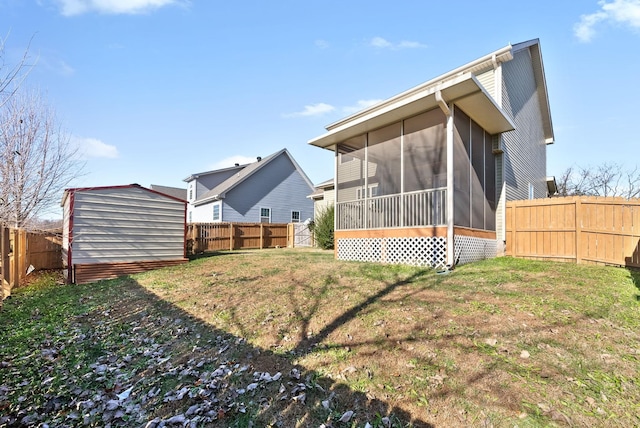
[(449, 203)]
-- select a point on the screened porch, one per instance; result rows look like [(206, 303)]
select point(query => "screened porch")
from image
[(396, 176)]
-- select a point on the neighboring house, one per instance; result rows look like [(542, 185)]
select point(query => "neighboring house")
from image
[(176, 192), (273, 189), (119, 230), (423, 177), (323, 196)]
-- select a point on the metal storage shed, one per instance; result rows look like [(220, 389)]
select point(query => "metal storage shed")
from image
[(119, 230)]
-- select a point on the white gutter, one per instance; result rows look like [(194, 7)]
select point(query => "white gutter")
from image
[(501, 55)]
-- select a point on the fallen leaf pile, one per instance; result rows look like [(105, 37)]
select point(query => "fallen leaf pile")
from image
[(111, 368)]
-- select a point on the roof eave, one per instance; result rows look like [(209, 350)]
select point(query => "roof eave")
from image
[(463, 90), (501, 55)]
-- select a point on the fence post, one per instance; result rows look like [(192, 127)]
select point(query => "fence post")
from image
[(15, 268), (291, 235), (261, 235), (231, 236), (578, 223), (3, 263)]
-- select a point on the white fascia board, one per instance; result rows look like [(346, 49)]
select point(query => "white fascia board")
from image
[(464, 90), (488, 61)]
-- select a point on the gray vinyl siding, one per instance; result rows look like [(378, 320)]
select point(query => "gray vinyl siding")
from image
[(278, 186), (126, 225), (524, 148), (487, 80), (207, 182)]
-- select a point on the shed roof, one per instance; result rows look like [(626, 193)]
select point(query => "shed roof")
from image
[(70, 191)]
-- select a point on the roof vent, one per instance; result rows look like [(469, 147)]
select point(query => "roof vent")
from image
[(259, 158), (237, 164)]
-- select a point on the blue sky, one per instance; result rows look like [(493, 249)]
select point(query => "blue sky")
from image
[(155, 90)]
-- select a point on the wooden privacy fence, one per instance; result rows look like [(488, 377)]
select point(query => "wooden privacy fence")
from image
[(22, 251), (575, 229), (204, 237)]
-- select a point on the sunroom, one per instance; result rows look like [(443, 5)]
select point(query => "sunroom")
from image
[(416, 176)]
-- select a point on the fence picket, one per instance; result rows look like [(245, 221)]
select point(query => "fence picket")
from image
[(575, 229)]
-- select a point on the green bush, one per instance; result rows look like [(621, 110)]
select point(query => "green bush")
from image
[(322, 228)]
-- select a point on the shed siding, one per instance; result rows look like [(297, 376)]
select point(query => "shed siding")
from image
[(524, 148), (278, 186), (128, 224), (488, 81)]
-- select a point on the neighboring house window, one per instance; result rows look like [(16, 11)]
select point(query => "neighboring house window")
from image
[(265, 215), (216, 212), (190, 192), (530, 191), (190, 216), (372, 193), (295, 216)]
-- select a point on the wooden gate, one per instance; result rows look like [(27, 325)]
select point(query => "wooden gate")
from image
[(302, 235)]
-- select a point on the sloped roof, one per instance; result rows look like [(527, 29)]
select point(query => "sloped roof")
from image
[(459, 85), (246, 171), (72, 190), (176, 192), (541, 82), (215, 171)]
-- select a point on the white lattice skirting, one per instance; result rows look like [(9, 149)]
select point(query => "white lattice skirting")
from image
[(418, 251), (468, 249)]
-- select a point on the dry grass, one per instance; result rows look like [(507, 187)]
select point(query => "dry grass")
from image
[(503, 342)]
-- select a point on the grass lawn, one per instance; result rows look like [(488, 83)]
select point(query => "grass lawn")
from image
[(292, 337)]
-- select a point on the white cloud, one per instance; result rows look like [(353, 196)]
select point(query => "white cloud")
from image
[(360, 105), (312, 110), (65, 69), (94, 148), (322, 44), (113, 7), (56, 65), (624, 12), (231, 161), (381, 43)]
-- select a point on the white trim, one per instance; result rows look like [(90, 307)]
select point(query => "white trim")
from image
[(261, 216), (213, 207), (501, 55), (464, 90)]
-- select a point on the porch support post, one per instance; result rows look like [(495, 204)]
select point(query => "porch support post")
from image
[(449, 204)]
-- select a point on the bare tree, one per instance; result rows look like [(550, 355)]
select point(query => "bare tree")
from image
[(11, 76), (607, 179), (38, 159)]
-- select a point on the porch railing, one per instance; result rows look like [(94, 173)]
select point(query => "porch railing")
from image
[(422, 208)]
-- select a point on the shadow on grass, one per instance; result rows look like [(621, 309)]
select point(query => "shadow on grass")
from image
[(131, 313), (210, 254), (635, 277), (282, 407)]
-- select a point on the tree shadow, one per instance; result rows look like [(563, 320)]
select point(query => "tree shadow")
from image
[(173, 366)]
